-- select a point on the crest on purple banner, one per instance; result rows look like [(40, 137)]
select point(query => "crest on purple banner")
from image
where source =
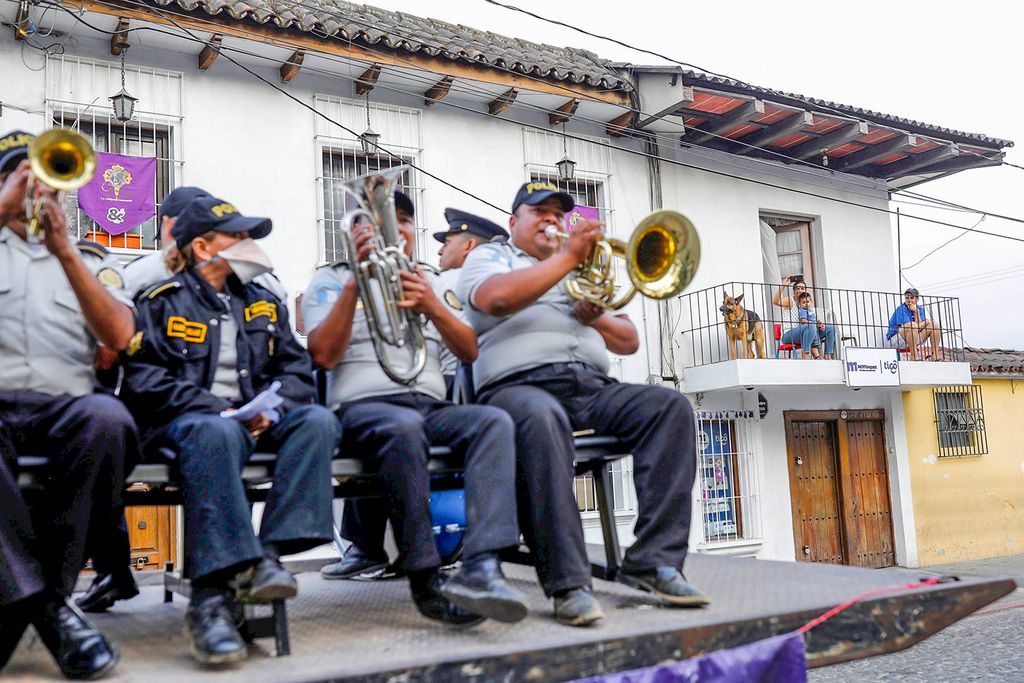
[(119, 196), (579, 213)]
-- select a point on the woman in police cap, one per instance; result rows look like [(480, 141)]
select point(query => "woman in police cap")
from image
[(209, 340)]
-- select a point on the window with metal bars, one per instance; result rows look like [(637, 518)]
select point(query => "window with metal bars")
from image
[(340, 165), (727, 474), (623, 496), (960, 420)]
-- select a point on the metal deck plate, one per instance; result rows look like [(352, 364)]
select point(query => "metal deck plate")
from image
[(370, 631)]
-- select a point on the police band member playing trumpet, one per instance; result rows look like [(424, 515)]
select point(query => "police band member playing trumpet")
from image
[(209, 341), (58, 300), (365, 519), (544, 360), (392, 426)]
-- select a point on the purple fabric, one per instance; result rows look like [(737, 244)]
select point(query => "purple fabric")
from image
[(779, 659), (119, 197), (579, 213)]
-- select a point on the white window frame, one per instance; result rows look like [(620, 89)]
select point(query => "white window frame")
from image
[(745, 502)]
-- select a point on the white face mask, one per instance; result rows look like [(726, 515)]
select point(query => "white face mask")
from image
[(247, 260)]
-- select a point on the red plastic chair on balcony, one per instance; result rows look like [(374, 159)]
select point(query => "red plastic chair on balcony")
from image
[(782, 347)]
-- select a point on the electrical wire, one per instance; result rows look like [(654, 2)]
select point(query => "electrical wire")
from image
[(963, 234), (445, 102)]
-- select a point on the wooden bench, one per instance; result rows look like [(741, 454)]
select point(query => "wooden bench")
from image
[(594, 455)]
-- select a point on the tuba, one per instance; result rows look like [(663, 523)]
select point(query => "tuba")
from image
[(61, 159), (661, 256), (377, 278)]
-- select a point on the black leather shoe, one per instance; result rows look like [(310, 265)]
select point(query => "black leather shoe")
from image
[(668, 584), (81, 652), (353, 563), (106, 589), (577, 607), (479, 587), (433, 605), (211, 633), (266, 582)]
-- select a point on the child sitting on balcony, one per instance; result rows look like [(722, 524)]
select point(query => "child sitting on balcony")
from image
[(822, 334)]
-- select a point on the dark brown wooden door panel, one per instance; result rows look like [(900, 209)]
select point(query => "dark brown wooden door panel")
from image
[(870, 510), (813, 475)]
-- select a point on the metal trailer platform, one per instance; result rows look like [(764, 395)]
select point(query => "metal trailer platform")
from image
[(370, 631)]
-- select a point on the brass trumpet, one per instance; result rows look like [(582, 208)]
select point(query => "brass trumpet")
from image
[(662, 255), (61, 159)]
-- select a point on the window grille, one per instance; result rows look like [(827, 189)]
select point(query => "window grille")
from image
[(77, 92), (960, 420), (727, 474), (593, 168), (341, 157), (623, 494)]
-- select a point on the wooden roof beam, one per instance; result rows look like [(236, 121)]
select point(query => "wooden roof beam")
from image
[(119, 39), (872, 153), (290, 69), (564, 112), (438, 91), (620, 125), (786, 126), (502, 102), (836, 138), (916, 162), (730, 119), (368, 79), (210, 52)]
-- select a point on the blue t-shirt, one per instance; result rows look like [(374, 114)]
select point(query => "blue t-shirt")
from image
[(901, 316), (807, 315)]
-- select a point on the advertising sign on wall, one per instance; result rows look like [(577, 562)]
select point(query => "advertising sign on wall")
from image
[(872, 367)]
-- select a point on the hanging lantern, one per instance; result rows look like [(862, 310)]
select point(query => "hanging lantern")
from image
[(566, 167), (369, 137), (123, 103)]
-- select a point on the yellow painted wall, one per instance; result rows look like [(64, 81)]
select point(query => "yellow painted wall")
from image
[(968, 508)]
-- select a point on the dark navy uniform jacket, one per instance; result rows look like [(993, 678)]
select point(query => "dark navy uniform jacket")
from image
[(171, 360)]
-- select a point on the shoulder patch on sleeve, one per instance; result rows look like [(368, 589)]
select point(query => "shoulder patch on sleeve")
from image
[(109, 277), (452, 300), (87, 247), (155, 290)]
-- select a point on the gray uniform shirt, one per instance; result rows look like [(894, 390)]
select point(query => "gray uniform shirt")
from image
[(45, 345), (446, 285), (225, 376), (359, 375), (150, 269), (543, 332)]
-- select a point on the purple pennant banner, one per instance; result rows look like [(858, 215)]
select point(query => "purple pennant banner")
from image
[(119, 196), (581, 212)]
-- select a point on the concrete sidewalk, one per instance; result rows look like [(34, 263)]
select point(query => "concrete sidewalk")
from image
[(1011, 566)]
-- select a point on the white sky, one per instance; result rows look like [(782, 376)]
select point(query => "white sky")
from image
[(951, 64)]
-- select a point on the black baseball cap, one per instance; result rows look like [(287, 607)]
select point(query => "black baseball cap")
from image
[(178, 199), (535, 192), (13, 149), (912, 291), (463, 221), (204, 214), (403, 202)]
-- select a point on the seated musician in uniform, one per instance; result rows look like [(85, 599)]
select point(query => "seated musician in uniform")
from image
[(544, 360), (57, 302), (210, 340), (365, 520), (392, 425)]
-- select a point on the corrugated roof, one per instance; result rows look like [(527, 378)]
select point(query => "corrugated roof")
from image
[(995, 360), (855, 112), (374, 27)]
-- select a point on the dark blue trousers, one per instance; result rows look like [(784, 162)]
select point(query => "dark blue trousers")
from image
[(655, 423), (394, 433), (88, 440), (211, 452)]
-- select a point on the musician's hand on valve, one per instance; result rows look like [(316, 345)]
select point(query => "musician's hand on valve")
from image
[(12, 194), (54, 224), (586, 312), (583, 237), (417, 294), (362, 233)]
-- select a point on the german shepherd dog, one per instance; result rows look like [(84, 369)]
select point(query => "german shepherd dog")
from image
[(742, 326)]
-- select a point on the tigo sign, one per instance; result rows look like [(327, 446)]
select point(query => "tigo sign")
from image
[(872, 367)]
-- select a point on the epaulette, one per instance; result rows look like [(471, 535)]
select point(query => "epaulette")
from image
[(87, 247), (335, 264), (157, 289)]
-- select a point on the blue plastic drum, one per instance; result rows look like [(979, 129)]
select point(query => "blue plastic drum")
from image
[(448, 512)]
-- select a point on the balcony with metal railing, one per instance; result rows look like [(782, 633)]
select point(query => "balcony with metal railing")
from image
[(737, 334)]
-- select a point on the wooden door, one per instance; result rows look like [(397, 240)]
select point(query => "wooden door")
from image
[(152, 532), (839, 483), (869, 509), (814, 480)]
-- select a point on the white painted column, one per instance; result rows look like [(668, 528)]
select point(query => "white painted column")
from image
[(898, 456)]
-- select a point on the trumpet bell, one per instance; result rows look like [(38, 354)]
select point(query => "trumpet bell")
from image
[(662, 254), (62, 159)]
